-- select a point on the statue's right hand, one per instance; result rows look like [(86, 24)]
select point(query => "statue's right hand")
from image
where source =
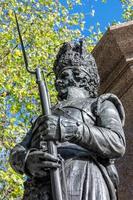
[(38, 163)]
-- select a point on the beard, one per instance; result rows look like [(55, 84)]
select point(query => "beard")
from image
[(62, 87)]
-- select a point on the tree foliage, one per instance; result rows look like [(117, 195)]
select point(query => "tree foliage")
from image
[(45, 25), (128, 9)]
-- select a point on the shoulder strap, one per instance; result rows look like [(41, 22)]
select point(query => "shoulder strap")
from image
[(115, 100)]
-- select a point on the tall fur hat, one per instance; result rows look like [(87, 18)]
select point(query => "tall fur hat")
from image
[(73, 54)]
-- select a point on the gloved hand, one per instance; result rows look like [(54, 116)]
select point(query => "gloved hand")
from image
[(70, 129), (38, 163), (53, 128), (47, 127)]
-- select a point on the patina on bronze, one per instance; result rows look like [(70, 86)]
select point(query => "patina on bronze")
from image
[(87, 128)]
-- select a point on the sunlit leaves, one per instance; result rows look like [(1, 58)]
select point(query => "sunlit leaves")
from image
[(8, 185), (128, 9)]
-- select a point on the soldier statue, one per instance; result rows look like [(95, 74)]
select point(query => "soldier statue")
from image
[(87, 129)]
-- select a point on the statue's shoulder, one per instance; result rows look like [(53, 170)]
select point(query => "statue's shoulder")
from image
[(79, 104), (84, 105), (92, 106), (104, 99), (89, 105)]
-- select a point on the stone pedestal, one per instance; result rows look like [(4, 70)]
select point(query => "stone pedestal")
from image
[(114, 57)]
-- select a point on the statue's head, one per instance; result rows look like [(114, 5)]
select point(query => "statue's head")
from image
[(74, 66)]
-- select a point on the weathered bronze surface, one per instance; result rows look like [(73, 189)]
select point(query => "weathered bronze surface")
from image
[(88, 129)]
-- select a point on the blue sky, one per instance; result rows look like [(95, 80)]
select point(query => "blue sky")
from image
[(96, 11), (104, 13)]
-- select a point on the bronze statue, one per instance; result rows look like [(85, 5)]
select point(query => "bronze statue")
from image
[(87, 128)]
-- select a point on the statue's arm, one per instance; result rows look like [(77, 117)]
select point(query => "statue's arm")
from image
[(106, 137), (32, 161), (18, 154)]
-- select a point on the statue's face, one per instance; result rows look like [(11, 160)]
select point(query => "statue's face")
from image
[(69, 78)]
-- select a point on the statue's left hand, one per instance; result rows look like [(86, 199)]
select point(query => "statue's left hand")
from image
[(47, 126)]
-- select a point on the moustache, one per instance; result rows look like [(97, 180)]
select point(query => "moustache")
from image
[(63, 84)]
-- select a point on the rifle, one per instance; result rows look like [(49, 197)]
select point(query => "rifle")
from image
[(45, 103)]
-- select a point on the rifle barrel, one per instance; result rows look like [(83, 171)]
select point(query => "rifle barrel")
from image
[(54, 173)]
